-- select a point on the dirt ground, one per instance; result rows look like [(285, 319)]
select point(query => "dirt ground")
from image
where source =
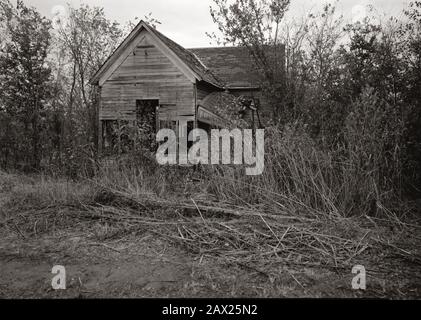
[(142, 264), (136, 268)]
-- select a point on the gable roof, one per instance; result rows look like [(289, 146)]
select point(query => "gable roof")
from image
[(222, 67), (233, 65), (183, 56)]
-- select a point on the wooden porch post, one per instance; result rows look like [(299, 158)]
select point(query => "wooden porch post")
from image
[(100, 137), (100, 124)]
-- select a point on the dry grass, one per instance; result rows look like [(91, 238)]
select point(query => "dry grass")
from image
[(40, 190), (248, 236), (308, 209), (302, 178), (253, 238)]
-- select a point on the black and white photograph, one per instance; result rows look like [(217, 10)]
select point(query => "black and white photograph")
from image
[(210, 149)]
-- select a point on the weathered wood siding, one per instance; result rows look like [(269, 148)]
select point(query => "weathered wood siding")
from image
[(146, 74)]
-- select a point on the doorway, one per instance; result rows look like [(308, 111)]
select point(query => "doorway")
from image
[(146, 122)]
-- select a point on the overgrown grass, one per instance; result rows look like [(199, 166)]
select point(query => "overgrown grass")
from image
[(301, 178), (39, 191), (312, 206)]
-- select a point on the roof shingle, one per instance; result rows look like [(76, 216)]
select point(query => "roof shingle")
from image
[(190, 59), (233, 65)]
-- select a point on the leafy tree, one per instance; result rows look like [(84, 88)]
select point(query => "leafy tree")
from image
[(82, 43), (411, 54), (255, 25), (25, 79)]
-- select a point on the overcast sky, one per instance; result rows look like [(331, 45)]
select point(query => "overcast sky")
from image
[(187, 21)]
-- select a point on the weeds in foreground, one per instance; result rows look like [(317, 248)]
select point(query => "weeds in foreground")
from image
[(312, 206)]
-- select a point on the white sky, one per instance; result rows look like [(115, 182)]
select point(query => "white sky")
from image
[(187, 21)]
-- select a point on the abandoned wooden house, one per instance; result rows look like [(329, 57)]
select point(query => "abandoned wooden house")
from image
[(153, 81)]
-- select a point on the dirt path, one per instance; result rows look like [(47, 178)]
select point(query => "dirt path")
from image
[(93, 269), (140, 265), (143, 266)]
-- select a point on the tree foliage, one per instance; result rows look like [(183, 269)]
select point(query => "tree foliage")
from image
[(360, 80), (25, 82), (255, 25)]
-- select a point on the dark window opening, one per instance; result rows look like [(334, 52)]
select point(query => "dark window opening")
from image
[(146, 123)]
